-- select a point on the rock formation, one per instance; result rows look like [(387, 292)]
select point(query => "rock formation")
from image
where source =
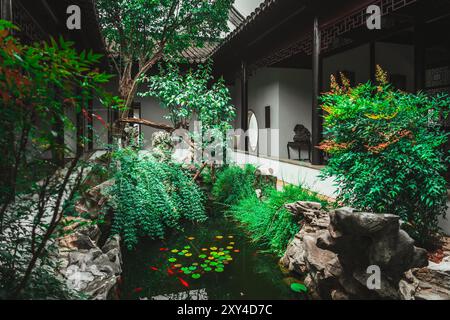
[(87, 268), (341, 250), (430, 283)]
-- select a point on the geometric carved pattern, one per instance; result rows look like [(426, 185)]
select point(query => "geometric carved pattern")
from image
[(438, 77), (332, 33)]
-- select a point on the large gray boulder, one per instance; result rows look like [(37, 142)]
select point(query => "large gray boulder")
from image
[(338, 251)]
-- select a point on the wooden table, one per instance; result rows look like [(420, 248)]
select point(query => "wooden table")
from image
[(300, 146)]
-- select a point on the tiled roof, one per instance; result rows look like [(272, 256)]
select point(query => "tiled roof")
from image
[(263, 8), (200, 55)]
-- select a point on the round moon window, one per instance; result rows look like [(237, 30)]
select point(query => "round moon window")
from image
[(252, 131)]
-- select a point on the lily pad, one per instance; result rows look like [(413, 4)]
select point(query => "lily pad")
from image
[(174, 251), (172, 260), (196, 276), (219, 270), (192, 268), (219, 237), (203, 256), (208, 269), (191, 238), (213, 248), (298, 287), (187, 247), (188, 254)]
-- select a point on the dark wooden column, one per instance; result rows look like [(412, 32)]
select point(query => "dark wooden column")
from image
[(419, 55), (80, 133), (6, 10), (373, 62), (317, 119), (244, 100), (90, 129)]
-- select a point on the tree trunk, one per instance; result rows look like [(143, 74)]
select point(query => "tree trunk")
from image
[(128, 87)]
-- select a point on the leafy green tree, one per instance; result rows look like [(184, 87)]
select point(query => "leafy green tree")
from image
[(194, 95), (38, 84), (139, 33), (386, 149)]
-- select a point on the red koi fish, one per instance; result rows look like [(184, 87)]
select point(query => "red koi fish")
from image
[(184, 283), (154, 268), (163, 249), (170, 272), (138, 290)]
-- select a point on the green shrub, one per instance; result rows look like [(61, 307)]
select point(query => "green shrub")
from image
[(267, 221), (386, 151), (150, 196), (233, 184)]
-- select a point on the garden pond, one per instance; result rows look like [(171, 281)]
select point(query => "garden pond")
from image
[(214, 260)]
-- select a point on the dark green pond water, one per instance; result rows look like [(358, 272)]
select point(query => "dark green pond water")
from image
[(214, 260)]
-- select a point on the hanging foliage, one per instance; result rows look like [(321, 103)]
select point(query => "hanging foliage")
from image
[(149, 197)]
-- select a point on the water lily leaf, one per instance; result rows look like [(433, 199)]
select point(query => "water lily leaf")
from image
[(196, 276), (299, 287), (219, 270), (172, 260)]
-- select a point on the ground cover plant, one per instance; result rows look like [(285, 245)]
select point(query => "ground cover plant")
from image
[(264, 217)]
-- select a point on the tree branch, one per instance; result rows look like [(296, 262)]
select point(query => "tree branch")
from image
[(148, 123)]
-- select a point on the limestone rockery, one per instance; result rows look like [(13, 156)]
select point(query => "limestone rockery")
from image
[(339, 251), (85, 267)]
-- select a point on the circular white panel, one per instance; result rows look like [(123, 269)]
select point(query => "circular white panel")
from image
[(253, 131)]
